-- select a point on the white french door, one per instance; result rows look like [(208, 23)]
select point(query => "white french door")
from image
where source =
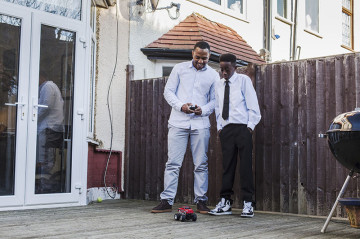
[(41, 78)]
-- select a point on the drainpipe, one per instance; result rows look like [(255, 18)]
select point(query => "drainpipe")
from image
[(294, 45), (267, 25)]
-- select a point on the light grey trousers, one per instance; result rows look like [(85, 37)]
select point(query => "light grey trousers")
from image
[(177, 143)]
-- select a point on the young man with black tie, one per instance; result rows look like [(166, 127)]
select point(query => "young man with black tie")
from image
[(237, 113)]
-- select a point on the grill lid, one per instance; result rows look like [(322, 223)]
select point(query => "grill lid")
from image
[(349, 121)]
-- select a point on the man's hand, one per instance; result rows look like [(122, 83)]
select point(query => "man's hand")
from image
[(251, 131), (198, 110), (186, 108)]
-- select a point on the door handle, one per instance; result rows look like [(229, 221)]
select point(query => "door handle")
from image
[(35, 108), (22, 113), (15, 104), (41, 106)]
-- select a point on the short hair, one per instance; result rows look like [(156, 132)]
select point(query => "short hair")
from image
[(202, 45), (43, 73), (228, 57)]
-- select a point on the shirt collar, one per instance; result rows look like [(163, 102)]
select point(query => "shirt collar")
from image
[(232, 78), (191, 65)]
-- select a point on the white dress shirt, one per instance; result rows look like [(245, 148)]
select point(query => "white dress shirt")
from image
[(51, 117), (243, 103), (186, 84)]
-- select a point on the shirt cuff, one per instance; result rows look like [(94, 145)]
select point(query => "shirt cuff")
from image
[(251, 125), (178, 106), (204, 110)]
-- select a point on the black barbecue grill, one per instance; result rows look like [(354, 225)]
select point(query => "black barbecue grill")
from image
[(344, 139), (344, 142)]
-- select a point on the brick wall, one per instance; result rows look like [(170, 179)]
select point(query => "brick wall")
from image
[(97, 159)]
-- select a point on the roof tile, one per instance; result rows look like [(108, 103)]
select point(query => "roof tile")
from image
[(221, 38)]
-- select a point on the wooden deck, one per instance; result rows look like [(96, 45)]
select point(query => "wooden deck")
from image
[(132, 219)]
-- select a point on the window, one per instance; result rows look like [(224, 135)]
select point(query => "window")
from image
[(92, 74), (236, 5), (282, 8), (312, 15), (347, 23), (236, 8), (216, 1)]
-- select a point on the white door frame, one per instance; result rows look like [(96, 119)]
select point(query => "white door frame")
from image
[(22, 116), (25, 196)]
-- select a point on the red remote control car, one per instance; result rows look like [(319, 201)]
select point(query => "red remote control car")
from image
[(185, 213)]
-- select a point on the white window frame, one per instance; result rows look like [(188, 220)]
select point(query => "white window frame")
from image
[(223, 8), (91, 71), (350, 13)]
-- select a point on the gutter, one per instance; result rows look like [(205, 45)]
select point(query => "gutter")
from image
[(294, 45), (181, 54)]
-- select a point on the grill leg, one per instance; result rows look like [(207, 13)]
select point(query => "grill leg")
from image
[(337, 201)]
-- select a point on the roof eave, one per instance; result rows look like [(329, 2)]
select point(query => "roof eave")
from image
[(180, 54)]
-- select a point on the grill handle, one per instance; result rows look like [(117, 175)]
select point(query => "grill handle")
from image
[(324, 136)]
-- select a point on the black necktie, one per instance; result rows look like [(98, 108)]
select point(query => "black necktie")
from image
[(225, 113)]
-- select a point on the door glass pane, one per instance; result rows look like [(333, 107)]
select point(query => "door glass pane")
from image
[(55, 111), (9, 73), (67, 8)]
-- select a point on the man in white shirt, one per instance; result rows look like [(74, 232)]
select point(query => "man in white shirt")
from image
[(237, 113), (50, 128), (190, 91)]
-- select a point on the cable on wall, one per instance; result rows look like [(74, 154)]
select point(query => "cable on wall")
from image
[(109, 110)]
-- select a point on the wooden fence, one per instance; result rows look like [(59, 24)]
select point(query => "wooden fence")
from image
[(294, 169)]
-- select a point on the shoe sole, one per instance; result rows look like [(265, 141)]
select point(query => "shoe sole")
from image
[(202, 212), (160, 211), (247, 216), (219, 214)]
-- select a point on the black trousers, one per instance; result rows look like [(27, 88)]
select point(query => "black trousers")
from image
[(236, 139)]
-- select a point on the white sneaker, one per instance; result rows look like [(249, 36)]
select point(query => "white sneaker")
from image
[(248, 210), (222, 208)]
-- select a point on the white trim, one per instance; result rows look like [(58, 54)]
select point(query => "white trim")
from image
[(288, 11), (23, 84), (313, 33), (24, 197), (40, 206), (77, 138), (284, 20), (223, 9)]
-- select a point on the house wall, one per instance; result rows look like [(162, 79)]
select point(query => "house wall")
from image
[(325, 43), (147, 26), (106, 59)]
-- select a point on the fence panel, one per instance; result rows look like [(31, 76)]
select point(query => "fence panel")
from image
[(298, 100), (295, 171)]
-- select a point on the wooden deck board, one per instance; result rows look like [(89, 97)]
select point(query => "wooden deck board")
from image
[(132, 219)]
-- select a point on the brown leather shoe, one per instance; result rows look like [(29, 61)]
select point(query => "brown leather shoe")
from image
[(164, 206), (202, 208)]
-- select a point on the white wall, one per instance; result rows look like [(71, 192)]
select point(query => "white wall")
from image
[(148, 26), (329, 39), (107, 41)]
